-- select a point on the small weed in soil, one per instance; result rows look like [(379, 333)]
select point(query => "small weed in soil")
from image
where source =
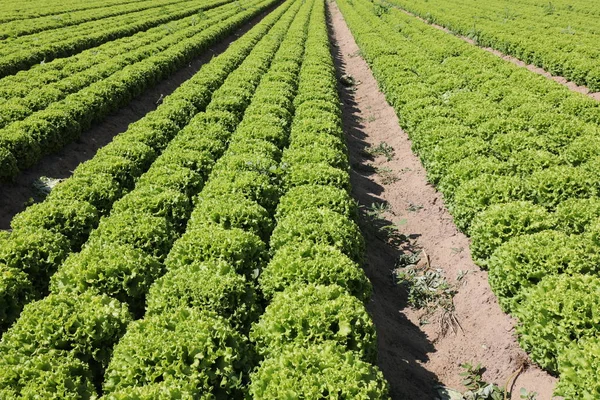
[(414, 207), (428, 290), (376, 210), (479, 389), (387, 175), (382, 149), (457, 250)]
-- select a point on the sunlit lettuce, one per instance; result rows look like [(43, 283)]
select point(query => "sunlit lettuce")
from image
[(317, 370), (561, 309), (312, 314)]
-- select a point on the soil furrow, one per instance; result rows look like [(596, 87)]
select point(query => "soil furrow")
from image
[(531, 67), (415, 357)]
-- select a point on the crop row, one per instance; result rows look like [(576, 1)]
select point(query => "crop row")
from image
[(23, 52), (207, 297), (45, 233), (74, 329), (24, 142), (189, 350), (19, 92), (564, 43), (35, 25), (192, 341), (516, 157), (315, 336), (35, 89), (13, 10)]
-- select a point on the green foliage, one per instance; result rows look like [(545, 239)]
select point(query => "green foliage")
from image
[(319, 226), (308, 139), (478, 389), (85, 324), (232, 211), (55, 374), (118, 270), (315, 371), (522, 261), (123, 170), (307, 262), (573, 216), (153, 235), (141, 154), (171, 205), (184, 344), (578, 366), (476, 195), (198, 161), (581, 150), (173, 177), (312, 314), (243, 250), (246, 162), (313, 154), (150, 133), (211, 139), (316, 174), (316, 196), (8, 164), (427, 289), (552, 186), (100, 190), (22, 146), (467, 169), (168, 389), (250, 184), (15, 292), (245, 145), (560, 310), (268, 128), (37, 252), (210, 285), (501, 222), (73, 219)]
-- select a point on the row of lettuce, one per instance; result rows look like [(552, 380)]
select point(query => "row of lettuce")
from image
[(562, 42), (246, 291), (516, 157), (23, 52), (38, 88), (45, 233), (13, 10), (13, 29), (85, 301), (71, 105)]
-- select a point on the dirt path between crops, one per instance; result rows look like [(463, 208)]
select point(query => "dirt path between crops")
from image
[(15, 195), (533, 68), (414, 357)]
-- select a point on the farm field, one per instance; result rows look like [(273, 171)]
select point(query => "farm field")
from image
[(559, 36), (303, 199)]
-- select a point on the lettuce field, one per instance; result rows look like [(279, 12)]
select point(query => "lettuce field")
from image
[(212, 246)]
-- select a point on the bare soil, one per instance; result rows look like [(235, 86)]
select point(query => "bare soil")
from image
[(533, 68), (15, 196), (415, 357)]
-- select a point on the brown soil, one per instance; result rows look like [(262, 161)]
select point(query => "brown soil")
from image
[(533, 68), (413, 357), (15, 195)]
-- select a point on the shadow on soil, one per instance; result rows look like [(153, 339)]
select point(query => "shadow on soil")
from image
[(401, 344), (14, 196)]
